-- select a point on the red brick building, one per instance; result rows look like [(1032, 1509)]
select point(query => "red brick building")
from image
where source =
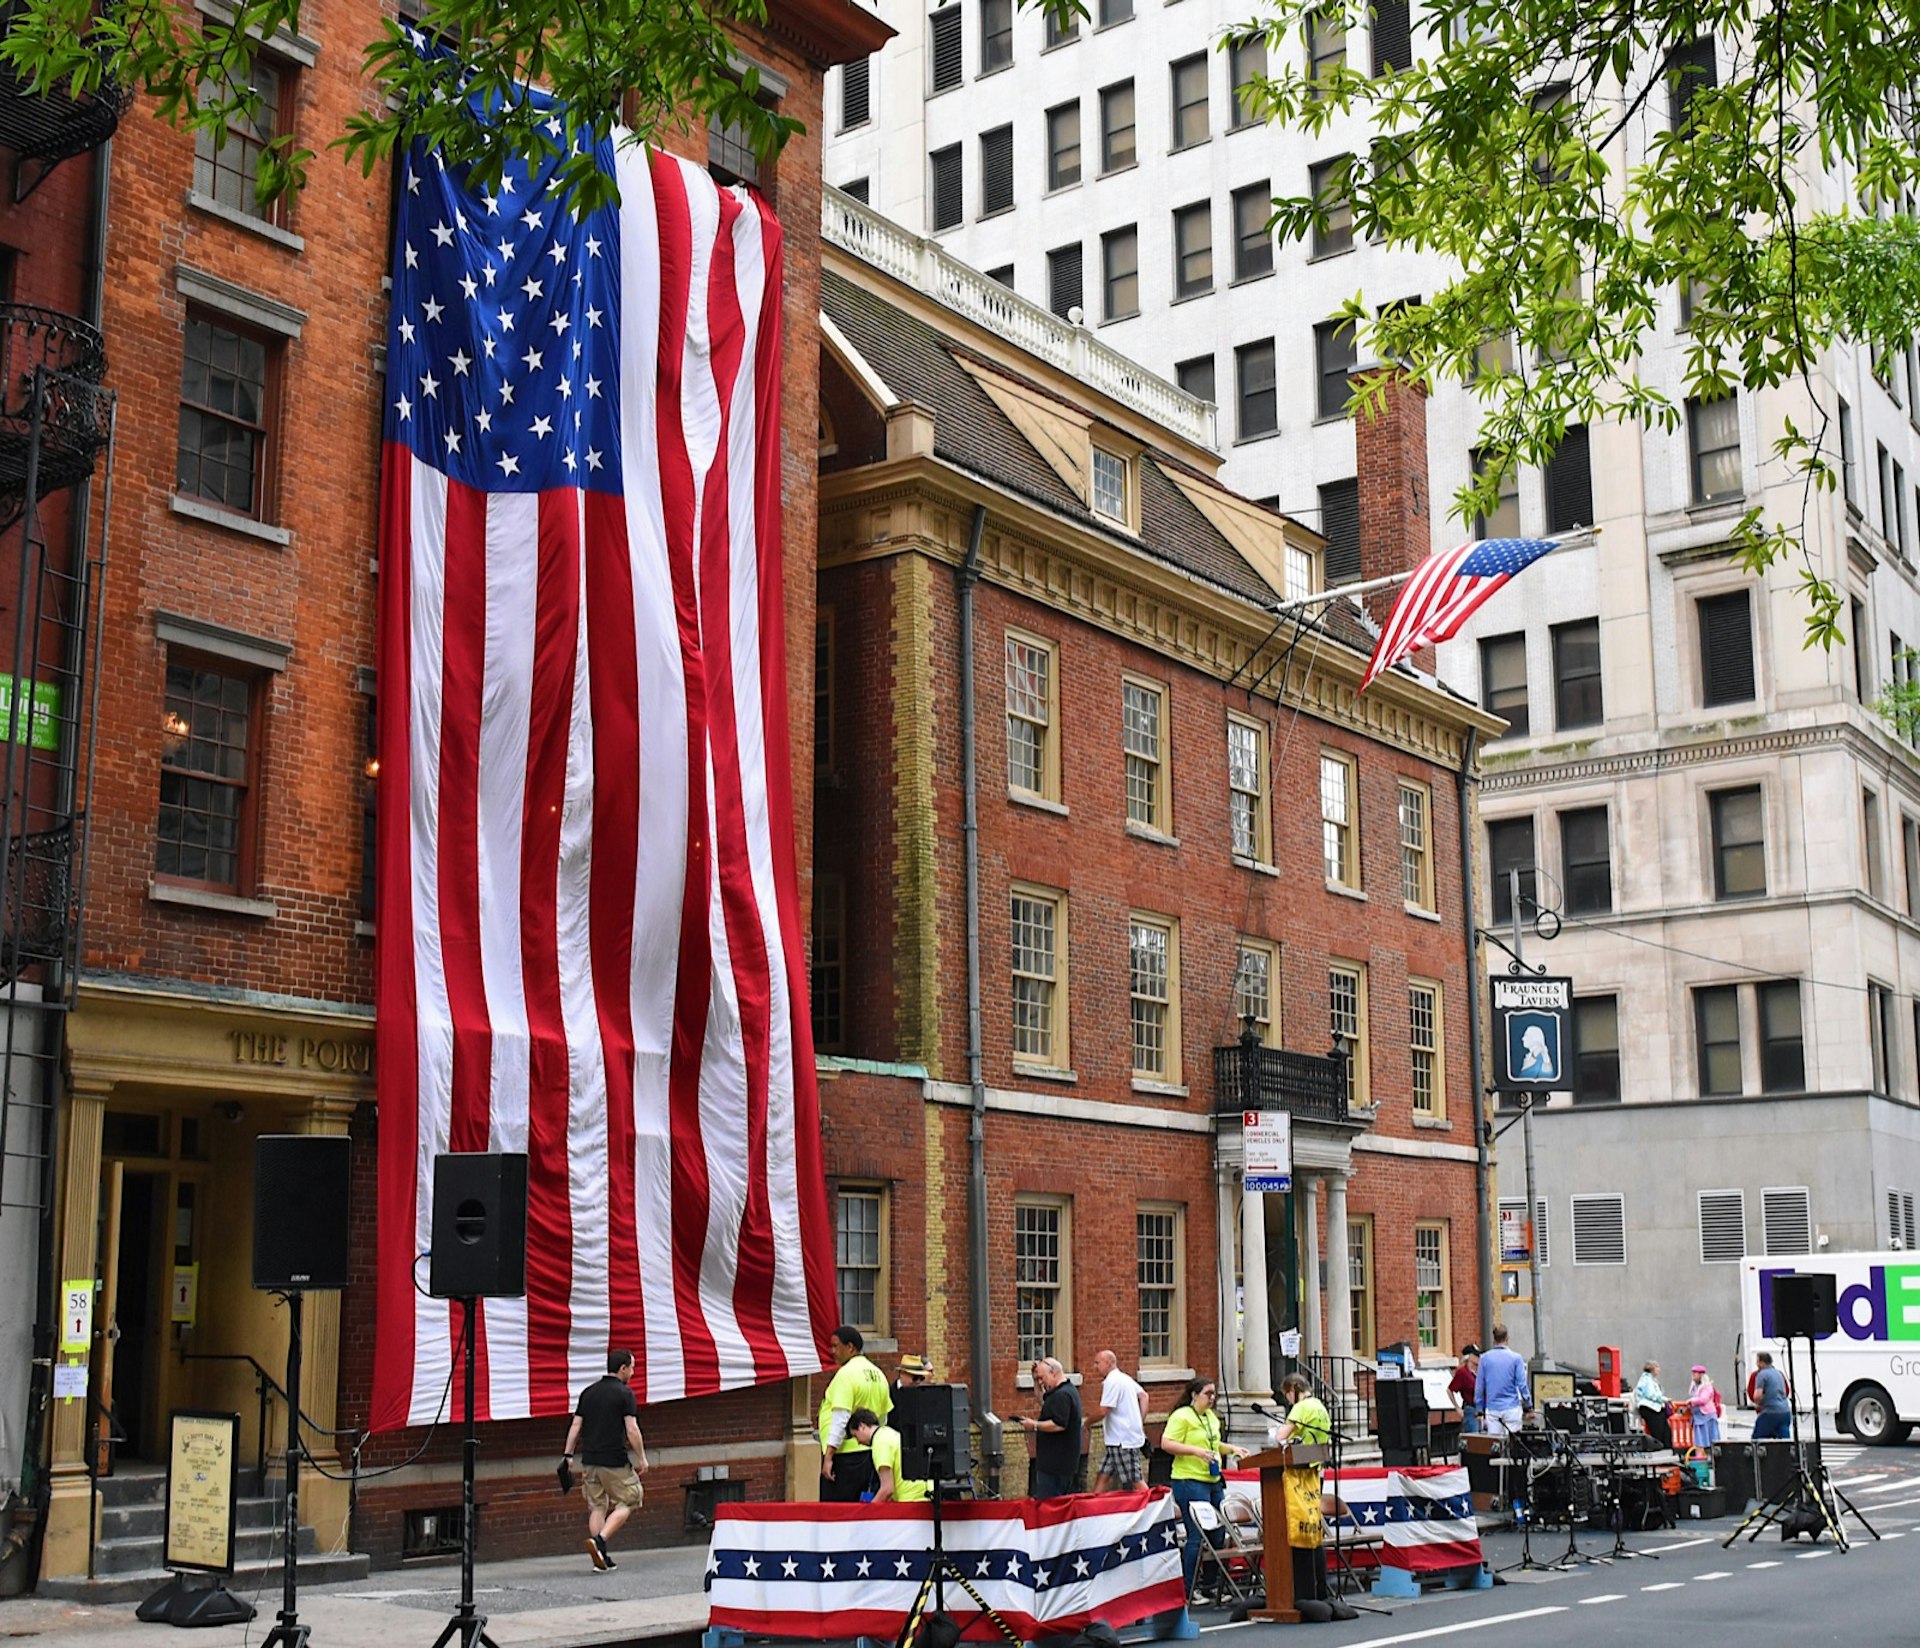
[(227, 980), (1185, 820)]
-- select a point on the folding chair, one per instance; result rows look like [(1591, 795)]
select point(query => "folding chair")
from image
[(1215, 1569)]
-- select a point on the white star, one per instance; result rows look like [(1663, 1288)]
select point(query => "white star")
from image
[(413, 183), (487, 272), (980, 1571), (541, 428), (1013, 1567), (485, 422), (558, 251), (442, 235), (864, 1569), (713, 1564), (506, 393), (576, 347), (826, 1566), (506, 320), (566, 389), (1080, 1568), (576, 422), (593, 247), (460, 221), (453, 441), (593, 459), (530, 218), (433, 309), (469, 288), (406, 331), (532, 288), (902, 1566), (404, 407), (506, 185), (491, 202), (593, 389), (553, 126), (489, 345), (429, 386), (1040, 1578), (560, 321), (593, 317), (576, 280), (509, 464), (412, 261), (532, 359), (753, 1567), (461, 361), (789, 1567), (506, 251), (572, 464)]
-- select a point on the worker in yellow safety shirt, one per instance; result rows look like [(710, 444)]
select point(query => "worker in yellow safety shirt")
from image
[(883, 1444), (846, 1467)]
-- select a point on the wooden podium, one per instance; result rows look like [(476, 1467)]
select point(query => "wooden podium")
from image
[(1276, 1549)]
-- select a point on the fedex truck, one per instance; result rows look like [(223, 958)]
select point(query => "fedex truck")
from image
[(1870, 1367)]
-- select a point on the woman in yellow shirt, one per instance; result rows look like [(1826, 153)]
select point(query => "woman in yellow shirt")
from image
[(1199, 1452)]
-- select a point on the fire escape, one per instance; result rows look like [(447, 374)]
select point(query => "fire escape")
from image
[(56, 434)]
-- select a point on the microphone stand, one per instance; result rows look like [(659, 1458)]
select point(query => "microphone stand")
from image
[(1342, 1567)]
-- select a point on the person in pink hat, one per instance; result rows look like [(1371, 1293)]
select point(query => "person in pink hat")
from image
[(1704, 1400)]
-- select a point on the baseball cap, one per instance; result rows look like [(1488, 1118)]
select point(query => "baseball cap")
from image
[(1699, 1367)]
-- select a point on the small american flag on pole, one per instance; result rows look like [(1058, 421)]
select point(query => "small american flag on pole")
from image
[(1446, 590), (589, 940)]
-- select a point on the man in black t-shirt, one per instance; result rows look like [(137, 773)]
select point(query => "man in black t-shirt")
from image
[(1056, 1431), (606, 1430)]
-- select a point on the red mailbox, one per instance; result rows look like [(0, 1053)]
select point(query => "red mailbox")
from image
[(1609, 1378)]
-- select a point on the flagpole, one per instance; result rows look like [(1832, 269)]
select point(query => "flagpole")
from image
[(1366, 587)]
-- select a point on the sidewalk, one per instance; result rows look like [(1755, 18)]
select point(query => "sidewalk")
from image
[(531, 1602)]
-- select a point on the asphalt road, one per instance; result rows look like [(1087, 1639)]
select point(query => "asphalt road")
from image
[(1693, 1593)]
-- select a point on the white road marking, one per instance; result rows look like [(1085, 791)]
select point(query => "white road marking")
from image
[(1811, 1556), (1718, 1573), (1763, 1564), (1861, 1481), (1896, 1534), (1665, 1545), (1464, 1625), (1665, 1585), (1885, 1487), (1611, 1596)]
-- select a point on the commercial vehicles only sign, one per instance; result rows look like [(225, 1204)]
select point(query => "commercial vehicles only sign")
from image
[(1267, 1136)]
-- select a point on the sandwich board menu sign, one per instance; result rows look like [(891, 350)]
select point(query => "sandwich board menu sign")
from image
[(203, 1478)]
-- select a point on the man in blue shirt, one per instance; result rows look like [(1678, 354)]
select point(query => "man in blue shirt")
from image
[(1500, 1392)]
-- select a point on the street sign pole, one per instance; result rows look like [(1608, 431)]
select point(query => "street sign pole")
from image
[(1526, 1142)]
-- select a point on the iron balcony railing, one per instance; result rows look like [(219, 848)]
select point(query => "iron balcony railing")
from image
[(1312, 1086), (56, 124), (52, 371)]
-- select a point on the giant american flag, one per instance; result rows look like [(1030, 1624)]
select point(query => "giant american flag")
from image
[(1446, 589), (589, 940)]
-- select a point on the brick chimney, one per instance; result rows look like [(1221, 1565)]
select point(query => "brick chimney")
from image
[(1396, 519)]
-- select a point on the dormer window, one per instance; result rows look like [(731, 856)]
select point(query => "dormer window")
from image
[(1112, 486)]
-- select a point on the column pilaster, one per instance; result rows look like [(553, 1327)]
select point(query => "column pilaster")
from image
[(1310, 1281)]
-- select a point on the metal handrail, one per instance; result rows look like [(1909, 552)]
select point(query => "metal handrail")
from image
[(268, 1384)]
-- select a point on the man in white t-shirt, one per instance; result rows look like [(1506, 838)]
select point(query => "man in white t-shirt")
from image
[(1122, 1411)]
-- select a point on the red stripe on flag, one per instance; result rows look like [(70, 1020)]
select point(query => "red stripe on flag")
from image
[(693, 990), (397, 1048), (613, 689), (556, 633), (746, 942)]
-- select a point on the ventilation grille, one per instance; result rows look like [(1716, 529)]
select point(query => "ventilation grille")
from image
[(1723, 1226), (1599, 1230), (1786, 1220)]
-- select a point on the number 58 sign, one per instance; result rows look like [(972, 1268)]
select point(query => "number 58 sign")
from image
[(76, 1318)]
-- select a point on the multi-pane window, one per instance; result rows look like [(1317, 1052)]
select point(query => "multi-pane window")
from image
[(1783, 1061), (1360, 1283), (944, 48), (1334, 359), (996, 170), (1340, 819), (229, 171), (1433, 1319), (1504, 522), (1424, 1042), (1247, 788), (731, 156), (1189, 101), (829, 973), (1596, 1049), (1063, 145), (1301, 576), (1326, 45), (1738, 819), (1246, 63), (1347, 1024), (1153, 982), (224, 424), (1064, 288), (1117, 134), (1510, 849), (1110, 485), (1503, 681), (1586, 862), (1196, 376), (1120, 271), (860, 1256), (1716, 1017), (1569, 482), (1255, 971), (1040, 1271), (1258, 400), (1038, 928), (996, 34), (1576, 675), (1252, 239), (1726, 648), (1193, 249), (1416, 845), (946, 187), (1142, 712), (1329, 184), (856, 94), (1033, 764), (1713, 449), (1157, 1265), (206, 776)]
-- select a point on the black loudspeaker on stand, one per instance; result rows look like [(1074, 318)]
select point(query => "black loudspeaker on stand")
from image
[(479, 1252), (302, 1243)]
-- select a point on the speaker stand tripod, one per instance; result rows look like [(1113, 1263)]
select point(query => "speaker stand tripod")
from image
[(287, 1630), (1806, 1503), (1524, 1514), (933, 1588), (467, 1624)]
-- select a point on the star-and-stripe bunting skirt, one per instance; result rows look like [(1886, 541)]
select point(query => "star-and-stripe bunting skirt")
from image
[(819, 1572), (1424, 1512)]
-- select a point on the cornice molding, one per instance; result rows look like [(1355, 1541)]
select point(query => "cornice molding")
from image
[(1660, 758)]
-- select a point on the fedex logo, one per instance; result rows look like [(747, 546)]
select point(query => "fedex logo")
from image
[(1885, 1306)]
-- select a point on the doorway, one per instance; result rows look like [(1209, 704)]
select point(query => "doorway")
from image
[(133, 1298)]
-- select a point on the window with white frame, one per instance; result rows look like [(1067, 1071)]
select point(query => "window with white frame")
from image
[(1110, 486), (1042, 1268), (1786, 1220), (860, 1237), (1033, 755), (1254, 978), (1433, 1315), (1416, 845), (1426, 1045), (1039, 930), (1247, 790), (1723, 1227), (1347, 1011), (1600, 1230), (1360, 1283), (1158, 1266), (1142, 717), (1339, 817), (1153, 950)]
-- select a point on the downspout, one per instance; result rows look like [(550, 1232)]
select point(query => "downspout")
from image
[(1482, 1170), (966, 576)]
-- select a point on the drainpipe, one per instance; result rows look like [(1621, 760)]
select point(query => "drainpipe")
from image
[(966, 576), (1483, 1236)]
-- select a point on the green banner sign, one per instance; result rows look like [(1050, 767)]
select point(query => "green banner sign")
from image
[(38, 717)]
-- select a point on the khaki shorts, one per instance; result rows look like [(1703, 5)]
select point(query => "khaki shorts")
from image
[(606, 1486)]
